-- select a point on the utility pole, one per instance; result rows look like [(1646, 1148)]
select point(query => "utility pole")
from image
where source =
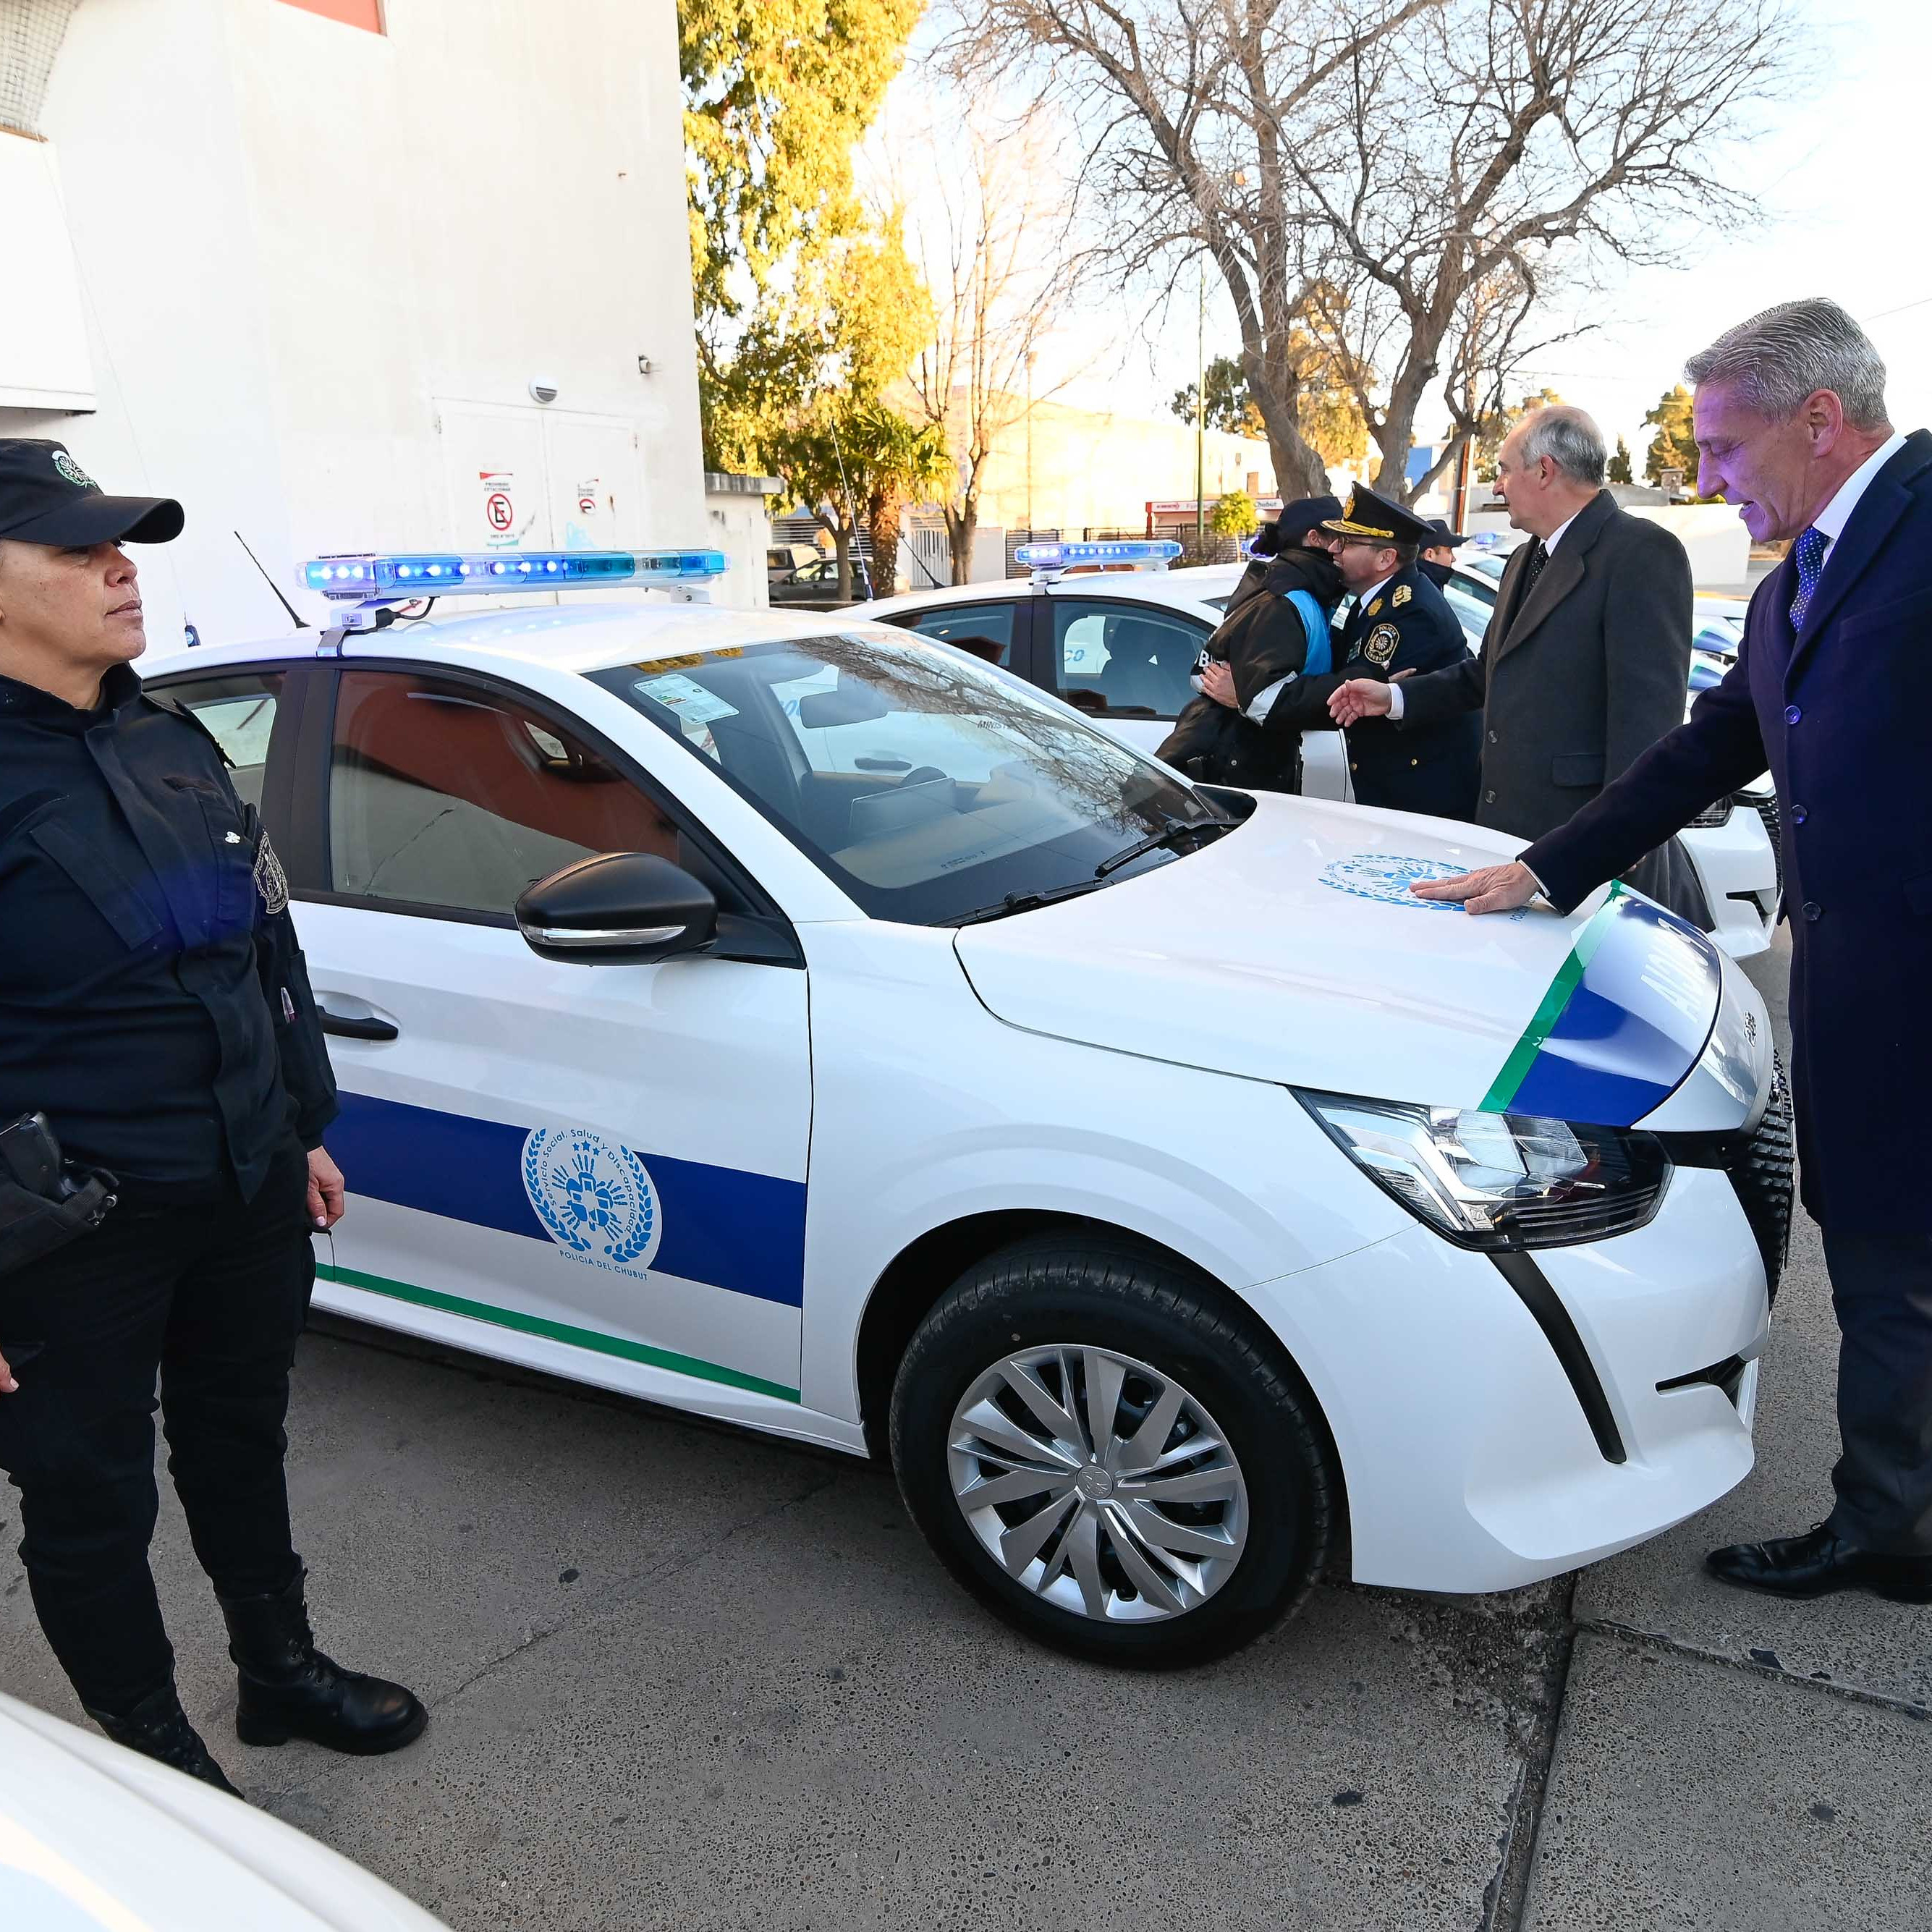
[(1200, 413), (1029, 443)]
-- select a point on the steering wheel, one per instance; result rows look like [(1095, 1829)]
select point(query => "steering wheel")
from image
[(923, 775)]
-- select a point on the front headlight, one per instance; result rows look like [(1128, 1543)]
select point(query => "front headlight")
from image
[(1500, 1181)]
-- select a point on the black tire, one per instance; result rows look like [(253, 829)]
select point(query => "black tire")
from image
[(1066, 1290)]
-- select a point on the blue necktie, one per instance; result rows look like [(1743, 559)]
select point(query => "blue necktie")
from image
[(1810, 554)]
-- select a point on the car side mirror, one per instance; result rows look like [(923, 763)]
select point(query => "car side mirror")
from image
[(617, 909)]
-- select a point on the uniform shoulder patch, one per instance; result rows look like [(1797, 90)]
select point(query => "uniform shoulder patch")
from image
[(1379, 646), (1376, 608), (1402, 594)]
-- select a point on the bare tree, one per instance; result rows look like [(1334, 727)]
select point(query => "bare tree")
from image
[(1414, 169), (991, 236)]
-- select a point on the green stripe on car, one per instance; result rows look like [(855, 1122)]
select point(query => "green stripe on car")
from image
[(592, 1339), (1550, 1008)]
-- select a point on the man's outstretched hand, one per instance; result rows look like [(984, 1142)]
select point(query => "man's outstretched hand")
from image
[(1491, 889), (1360, 698)]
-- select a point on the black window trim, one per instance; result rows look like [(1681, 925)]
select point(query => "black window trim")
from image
[(1136, 607)]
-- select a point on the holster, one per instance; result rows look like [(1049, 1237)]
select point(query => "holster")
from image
[(31, 1225)]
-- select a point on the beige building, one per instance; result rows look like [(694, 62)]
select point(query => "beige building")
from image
[(1071, 470)]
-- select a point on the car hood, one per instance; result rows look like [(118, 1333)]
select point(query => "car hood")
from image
[(92, 1836), (1291, 950)]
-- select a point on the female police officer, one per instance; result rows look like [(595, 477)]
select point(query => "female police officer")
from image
[(155, 1008)]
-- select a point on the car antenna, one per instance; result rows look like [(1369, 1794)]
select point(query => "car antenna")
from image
[(296, 617)]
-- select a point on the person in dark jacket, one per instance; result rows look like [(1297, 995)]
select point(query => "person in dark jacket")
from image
[(155, 1008), (1276, 629), (1437, 560), (1586, 663), (1400, 624), (1791, 424)]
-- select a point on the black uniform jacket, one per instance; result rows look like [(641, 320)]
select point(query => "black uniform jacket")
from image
[(154, 1003), (1579, 676), (1262, 641), (1836, 710), (1406, 626)]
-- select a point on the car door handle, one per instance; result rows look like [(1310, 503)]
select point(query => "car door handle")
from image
[(353, 1029)]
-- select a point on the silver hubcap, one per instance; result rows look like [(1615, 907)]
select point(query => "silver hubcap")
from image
[(1099, 1483)]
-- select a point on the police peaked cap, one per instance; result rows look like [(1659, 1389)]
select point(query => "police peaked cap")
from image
[(1376, 520), (45, 497)]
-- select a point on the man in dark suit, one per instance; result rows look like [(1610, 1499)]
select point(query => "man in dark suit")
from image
[(1587, 659), (1400, 624), (1791, 426)]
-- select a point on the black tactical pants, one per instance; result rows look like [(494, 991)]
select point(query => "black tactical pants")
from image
[(213, 1297)]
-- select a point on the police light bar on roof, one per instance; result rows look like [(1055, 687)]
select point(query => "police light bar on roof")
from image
[(1071, 556), (400, 579)]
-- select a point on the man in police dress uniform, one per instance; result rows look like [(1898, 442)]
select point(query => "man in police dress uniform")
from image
[(1401, 624), (154, 1007)]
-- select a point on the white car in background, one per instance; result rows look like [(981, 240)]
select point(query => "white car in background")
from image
[(94, 1838), (1119, 644)]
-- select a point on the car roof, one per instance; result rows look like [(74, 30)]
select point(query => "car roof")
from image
[(1186, 590), (577, 636)]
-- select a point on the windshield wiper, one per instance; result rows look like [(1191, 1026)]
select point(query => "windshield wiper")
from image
[(1015, 902), (1167, 836)]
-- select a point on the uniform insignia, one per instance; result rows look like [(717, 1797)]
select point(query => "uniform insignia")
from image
[(1402, 594), (1379, 645), (1376, 608), (271, 881)]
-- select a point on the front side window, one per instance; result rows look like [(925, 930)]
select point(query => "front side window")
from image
[(929, 787), (446, 794), (1115, 660), (982, 631)]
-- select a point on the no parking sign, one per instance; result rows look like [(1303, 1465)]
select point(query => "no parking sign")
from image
[(499, 508)]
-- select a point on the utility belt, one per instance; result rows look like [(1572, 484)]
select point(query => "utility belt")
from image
[(46, 1200)]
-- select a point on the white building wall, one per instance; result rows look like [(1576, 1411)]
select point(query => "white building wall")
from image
[(323, 266)]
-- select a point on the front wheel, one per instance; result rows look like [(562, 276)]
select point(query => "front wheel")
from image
[(1107, 1456)]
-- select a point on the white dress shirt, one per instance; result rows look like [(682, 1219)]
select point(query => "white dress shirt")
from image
[(1830, 522)]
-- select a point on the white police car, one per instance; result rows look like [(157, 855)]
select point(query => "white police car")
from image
[(788, 1018), (1115, 634)]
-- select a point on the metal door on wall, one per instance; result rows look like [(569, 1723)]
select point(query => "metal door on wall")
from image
[(528, 477)]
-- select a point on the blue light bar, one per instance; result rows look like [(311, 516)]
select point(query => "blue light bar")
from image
[(1068, 555), (399, 579)]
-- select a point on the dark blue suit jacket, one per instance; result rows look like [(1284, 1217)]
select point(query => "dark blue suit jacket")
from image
[(1840, 713)]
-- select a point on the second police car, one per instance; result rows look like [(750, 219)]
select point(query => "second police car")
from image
[(1087, 1143)]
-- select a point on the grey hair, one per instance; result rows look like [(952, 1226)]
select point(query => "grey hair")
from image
[(1784, 354), (1570, 439)]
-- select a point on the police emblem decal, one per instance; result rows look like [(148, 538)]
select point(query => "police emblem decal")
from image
[(1381, 875), (1402, 594), (594, 1196), (271, 881), (1379, 645), (72, 471)]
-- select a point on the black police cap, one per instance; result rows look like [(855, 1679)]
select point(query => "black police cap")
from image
[(45, 497), (1375, 519), (1441, 537)]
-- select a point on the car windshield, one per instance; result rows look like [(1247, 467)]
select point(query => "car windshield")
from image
[(932, 787)]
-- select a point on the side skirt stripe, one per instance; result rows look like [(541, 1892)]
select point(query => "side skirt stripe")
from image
[(554, 1331)]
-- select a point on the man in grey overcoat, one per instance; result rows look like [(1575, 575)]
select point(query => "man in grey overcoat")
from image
[(1586, 662)]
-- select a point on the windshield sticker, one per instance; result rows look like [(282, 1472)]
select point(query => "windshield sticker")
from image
[(1379, 875), (688, 698)]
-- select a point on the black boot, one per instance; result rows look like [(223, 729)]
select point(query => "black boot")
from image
[(157, 1727), (289, 1690)]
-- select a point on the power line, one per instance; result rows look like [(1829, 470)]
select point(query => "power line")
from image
[(1920, 303)]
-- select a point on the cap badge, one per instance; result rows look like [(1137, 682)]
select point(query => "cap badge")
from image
[(72, 471)]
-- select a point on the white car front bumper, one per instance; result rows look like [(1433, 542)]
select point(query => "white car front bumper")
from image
[(1469, 1460)]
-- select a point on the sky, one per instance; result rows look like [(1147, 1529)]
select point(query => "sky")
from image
[(1842, 177)]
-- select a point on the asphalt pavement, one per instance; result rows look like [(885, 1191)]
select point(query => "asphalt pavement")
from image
[(681, 1676)]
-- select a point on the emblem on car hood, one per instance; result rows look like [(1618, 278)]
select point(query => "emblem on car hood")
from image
[(1382, 875)]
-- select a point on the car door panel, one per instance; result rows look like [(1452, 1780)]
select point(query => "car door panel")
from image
[(609, 1160)]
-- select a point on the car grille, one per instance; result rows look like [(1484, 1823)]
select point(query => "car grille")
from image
[(1765, 806), (1760, 1170), (1762, 1177)]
